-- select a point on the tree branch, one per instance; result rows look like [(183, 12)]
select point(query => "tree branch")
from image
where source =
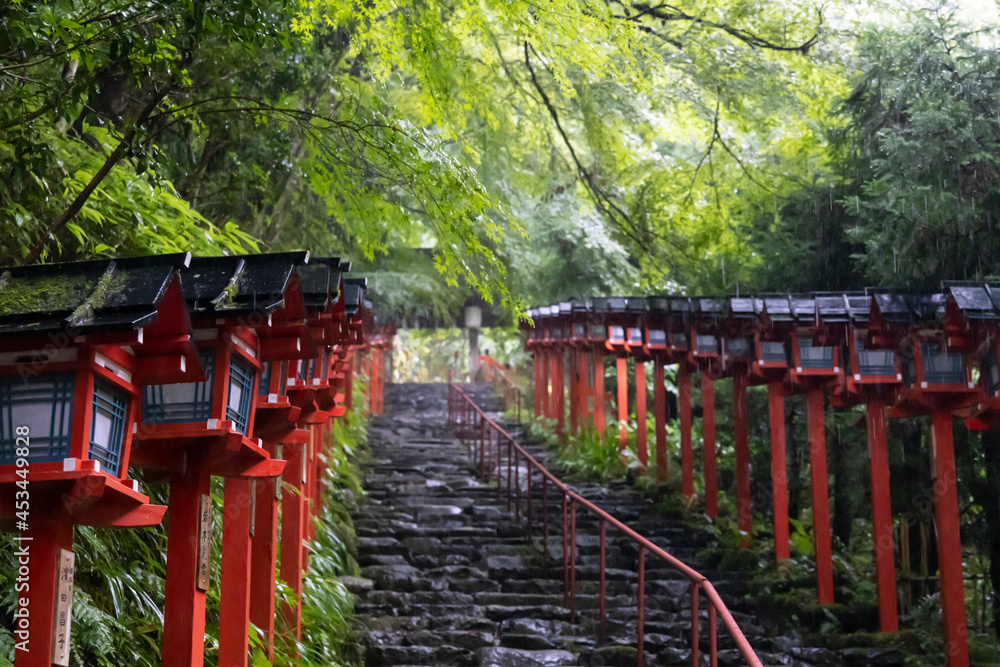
[(120, 151)]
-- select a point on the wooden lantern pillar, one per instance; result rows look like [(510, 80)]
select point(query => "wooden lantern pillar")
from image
[(679, 349), (579, 413), (532, 335), (705, 354), (936, 362), (737, 359), (655, 346), (814, 366), (775, 318), (636, 310), (196, 430), (873, 377), (70, 376), (616, 344)]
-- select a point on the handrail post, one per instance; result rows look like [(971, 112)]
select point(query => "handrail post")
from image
[(517, 489), (565, 550), (640, 629), (510, 451), (713, 648), (694, 625), (572, 562), (488, 466), (545, 522), (482, 454), (602, 625), (482, 439), (529, 508)]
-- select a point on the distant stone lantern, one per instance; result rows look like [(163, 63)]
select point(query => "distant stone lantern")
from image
[(195, 430), (80, 341)]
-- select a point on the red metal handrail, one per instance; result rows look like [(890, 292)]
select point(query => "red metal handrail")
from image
[(503, 384), (469, 419)]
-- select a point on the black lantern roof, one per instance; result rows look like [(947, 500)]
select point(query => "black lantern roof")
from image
[(354, 294), (707, 306), (778, 308), (617, 304), (908, 307), (637, 304), (680, 305), (832, 308), (565, 308), (320, 281), (858, 307), (745, 307), (659, 305), (976, 302), (803, 307), (600, 304), (99, 296), (239, 285), (580, 307)]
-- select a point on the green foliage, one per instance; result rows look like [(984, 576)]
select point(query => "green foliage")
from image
[(924, 139), (589, 455)]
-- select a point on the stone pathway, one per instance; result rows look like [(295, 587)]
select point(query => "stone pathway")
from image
[(454, 581)]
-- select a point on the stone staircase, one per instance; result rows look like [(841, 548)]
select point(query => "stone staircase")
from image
[(451, 579)]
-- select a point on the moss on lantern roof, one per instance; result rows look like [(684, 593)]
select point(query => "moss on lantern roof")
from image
[(110, 284), (44, 294)]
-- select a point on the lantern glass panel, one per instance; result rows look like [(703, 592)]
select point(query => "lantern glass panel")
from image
[(875, 362), (326, 363), (557, 333), (940, 367), (635, 336), (184, 402), (681, 340), (240, 388), (811, 356), (773, 352), (578, 330), (706, 344), (991, 368), (738, 347), (107, 425), (657, 337), (44, 405), (598, 332), (617, 334)]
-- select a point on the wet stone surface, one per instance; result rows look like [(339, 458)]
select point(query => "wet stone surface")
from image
[(450, 578)]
